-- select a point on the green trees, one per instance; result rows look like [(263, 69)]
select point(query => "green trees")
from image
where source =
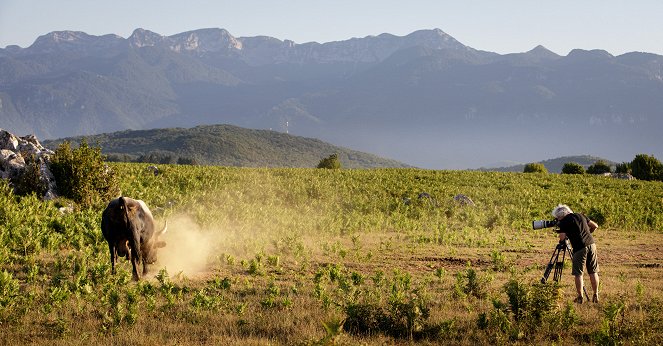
[(645, 167), (599, 167), (624, 167), (535, 168), (82, 175), (573, 168), (330, 162)]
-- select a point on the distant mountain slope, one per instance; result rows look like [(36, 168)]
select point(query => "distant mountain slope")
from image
[(423, 98), (225, 145), (555, 165)]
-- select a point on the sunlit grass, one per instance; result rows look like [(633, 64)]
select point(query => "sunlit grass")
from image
[(286, 255)]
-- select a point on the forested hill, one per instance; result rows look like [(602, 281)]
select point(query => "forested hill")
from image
[(555, 165), (223, 145)]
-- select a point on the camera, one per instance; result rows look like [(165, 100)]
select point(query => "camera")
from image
[(539, 224)]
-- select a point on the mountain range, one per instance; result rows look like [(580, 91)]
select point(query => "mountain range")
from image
[(223, 145), (424, 99)]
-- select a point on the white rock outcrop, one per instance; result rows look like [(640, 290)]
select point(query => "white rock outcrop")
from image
[(17, 152)]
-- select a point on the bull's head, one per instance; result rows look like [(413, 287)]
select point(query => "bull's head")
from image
[(155, 243)]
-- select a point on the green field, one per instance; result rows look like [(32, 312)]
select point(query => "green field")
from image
[(313, 256)]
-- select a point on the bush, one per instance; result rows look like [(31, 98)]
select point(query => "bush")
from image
[(535, 168), (599, 167), (645, 167), (82, 175), (9, 289), (573, 168), (407, 318), (31, 180), (330, 162), (624, 167), (530, 303)]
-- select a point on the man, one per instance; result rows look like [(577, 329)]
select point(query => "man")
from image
[(578, 229)]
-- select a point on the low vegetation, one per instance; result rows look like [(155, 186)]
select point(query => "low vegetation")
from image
[(327, 256)]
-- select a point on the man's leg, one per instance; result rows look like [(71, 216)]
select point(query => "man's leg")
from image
[(579, 260), (594, 278), (579, 284), (593, 270)]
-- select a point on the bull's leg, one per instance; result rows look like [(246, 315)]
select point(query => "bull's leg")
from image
[(135, 257), (113, 256), (144, 266), (134, 264)]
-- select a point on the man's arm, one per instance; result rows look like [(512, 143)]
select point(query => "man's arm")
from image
[(562, 236), (592, 226)]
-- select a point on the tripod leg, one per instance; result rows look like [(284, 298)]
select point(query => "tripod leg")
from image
[(550, 266)]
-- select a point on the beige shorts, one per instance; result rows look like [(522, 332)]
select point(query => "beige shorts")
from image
[(585, 257)]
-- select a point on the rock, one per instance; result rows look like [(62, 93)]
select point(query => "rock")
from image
[(8, 141), (66, 210), (463, 200), (153, 169), (11, 162), (14, 151), (428, 197), (623, 176)]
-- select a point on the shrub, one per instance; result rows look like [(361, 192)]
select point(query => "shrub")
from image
[(573, 168), (597, 215), (535, 168), (9, 289), (645, 167), (599, 167), (530, 306), (624, 167), (406, 318), (330, 162), (82, 175), (31, 180)]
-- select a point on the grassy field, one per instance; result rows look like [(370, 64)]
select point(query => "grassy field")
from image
[(311, 256)]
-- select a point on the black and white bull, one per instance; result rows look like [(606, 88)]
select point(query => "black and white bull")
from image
[(128, 226)]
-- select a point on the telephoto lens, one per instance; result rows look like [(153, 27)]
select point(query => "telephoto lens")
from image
[(539, 224)]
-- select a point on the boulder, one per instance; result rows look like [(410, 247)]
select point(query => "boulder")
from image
[(463, 200), (8, 141), (622, 176), (15, 151)]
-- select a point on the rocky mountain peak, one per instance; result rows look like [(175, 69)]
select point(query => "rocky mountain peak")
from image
[(581, 54), (542, 52), (205, 40), (57, 39), (435, 39), (145, 38)]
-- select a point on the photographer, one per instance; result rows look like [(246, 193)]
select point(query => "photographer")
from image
[(578, 229)]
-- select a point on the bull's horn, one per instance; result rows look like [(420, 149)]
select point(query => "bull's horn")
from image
[(165, 228)]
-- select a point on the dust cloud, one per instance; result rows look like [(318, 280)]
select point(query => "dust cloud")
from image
[(188, 247)]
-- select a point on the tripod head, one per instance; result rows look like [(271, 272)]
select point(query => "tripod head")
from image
[(563, 244)]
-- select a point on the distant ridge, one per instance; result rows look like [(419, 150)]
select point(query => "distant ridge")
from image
[(424, 98), (223, 145), (555, 165)]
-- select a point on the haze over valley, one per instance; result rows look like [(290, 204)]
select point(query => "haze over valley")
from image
[(424, 99)]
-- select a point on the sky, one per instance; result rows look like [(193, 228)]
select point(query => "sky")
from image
[(505, 26)]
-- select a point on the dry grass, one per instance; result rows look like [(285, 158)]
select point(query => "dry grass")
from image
[(266, 257)]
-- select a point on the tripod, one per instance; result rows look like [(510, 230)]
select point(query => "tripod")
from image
[(558, 264)]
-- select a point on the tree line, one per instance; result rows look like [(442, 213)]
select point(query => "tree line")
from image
[(643, 167)]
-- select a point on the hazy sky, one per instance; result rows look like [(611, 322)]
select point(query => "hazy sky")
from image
[(502, 26)]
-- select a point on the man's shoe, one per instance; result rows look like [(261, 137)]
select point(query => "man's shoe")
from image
[(578, 300), (595, 298)]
